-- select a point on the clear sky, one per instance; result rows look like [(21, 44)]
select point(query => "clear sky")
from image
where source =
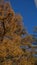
[(28, 10)]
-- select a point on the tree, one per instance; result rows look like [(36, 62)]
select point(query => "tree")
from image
[(12, 37), (35, 34), (34, 46)]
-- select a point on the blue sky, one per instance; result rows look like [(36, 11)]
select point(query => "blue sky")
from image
[(28, 10)]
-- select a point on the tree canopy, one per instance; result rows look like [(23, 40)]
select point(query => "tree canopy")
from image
[(15, 42)]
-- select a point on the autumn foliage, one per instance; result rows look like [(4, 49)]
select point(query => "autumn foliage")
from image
[(14, 38)]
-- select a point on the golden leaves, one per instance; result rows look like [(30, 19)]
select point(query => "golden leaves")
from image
[(13, 33)]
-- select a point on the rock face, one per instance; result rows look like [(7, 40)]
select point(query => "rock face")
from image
[(11, 38)]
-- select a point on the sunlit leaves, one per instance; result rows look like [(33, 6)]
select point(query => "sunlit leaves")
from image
[(13, 36)]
